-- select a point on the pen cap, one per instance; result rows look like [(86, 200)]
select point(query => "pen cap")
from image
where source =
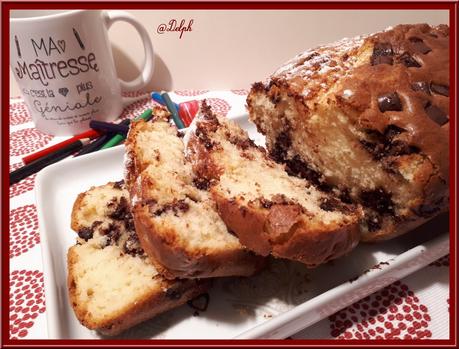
[(156, 96), (188, 110)]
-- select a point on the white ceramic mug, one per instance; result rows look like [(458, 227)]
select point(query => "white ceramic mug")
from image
[(63, 64)]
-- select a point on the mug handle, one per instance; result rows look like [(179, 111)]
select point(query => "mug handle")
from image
[(148, 63)]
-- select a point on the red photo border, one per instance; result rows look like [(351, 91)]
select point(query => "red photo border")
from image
[(452, 6)]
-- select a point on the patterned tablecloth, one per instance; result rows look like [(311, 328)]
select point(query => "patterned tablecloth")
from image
[(414, 307)]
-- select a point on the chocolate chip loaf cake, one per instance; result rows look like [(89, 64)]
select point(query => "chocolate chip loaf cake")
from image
[(270, 211), (112, 285), (368, 119), (176, 221)]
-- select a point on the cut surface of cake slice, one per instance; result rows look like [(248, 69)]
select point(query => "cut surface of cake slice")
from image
[(270, 211), (112, 284), (177, 222), (366, 117)]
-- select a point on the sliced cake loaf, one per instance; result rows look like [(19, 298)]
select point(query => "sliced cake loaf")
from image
[(366, 117), (270, 211), (112, 285), (176, 221)]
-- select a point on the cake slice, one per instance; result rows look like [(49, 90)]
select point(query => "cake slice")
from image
[(368, 118), (270, 211), (176, 221), (112, 285)]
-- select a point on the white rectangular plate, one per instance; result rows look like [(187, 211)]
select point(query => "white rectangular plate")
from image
[(276, 303)]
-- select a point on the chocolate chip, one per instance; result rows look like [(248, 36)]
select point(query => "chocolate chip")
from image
[(436, 114), (199, 303), (383, 49), (106, 230), (129, 224), (266, 203), (311, 56), (212, 123), (398, 148), (159, 211), (85, 233), (173, 294), (420, 86), (206, 111), (121, 210), (281, 146), (419, 45), (389, 102), (373, 221), (440, 89), (203, 130), (297, 167), (378, 200), (113, 234), (345, 196), (387, 146), (208, 145), (375, 135), (382, 54), (328, 204), (392, 130), (375, 143), (201, 183), (373, 148), (119, 184), (176, 206), (408, 61), (132, 245), (335, 204), (182, 206), (258, 87), (375, 60)]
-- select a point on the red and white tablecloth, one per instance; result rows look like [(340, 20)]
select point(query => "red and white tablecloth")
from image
[(415, 307)]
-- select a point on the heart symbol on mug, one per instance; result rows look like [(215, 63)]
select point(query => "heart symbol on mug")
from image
[(63, 91), (61, 44)]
